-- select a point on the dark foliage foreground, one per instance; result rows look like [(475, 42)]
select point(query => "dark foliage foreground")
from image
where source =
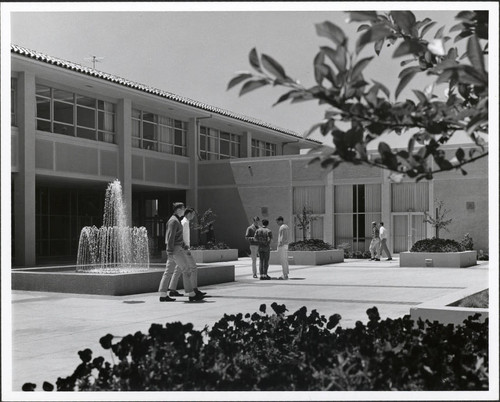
[(280, 352)]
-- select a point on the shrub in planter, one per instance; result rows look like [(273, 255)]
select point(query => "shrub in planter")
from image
[(309, 245), (211, 246), (467, 242), (482, 256), (435, 245), (289, 352)]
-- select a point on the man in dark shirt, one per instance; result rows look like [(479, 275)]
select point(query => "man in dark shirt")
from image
[(263, 237), (176, 255)]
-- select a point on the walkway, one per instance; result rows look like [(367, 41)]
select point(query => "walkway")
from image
[(48, 329)]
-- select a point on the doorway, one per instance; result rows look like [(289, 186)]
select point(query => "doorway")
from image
[(408, 228)]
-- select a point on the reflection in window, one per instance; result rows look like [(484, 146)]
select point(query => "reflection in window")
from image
[(158, 133), (67, 113), (215, 144), (262, 148)]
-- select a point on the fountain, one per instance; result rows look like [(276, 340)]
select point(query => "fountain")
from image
[(112, 260), (114, 247)]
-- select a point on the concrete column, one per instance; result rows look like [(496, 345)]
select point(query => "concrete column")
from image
[(386, 208), (192, 151), (328, 219), (246, 144), (124, 140), (24, 181)]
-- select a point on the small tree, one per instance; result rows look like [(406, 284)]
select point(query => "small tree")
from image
[(205, 223), (440, 221), (304, 220)]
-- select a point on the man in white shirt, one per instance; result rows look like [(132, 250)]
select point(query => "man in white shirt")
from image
[(283, 241), (189, 214), (383, 242)]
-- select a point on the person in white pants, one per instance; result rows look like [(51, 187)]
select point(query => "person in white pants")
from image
[(283, 241), (189, 214), (254, 246), (383, 242)]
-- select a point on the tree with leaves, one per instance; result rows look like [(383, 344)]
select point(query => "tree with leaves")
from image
[(205, 224), (439, 221), (304, 220), (361, 112)]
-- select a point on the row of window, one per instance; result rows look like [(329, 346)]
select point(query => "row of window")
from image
[(75, 115)]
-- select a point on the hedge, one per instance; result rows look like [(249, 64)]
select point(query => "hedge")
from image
[(289, 352)]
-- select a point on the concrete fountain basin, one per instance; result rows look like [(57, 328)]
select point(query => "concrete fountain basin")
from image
[(65, 279)]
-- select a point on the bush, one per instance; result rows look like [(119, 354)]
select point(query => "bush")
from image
[(279, 352), (435, 245), (309, 245), (482, 256), (467, 242), (353, 254), (211, 246)]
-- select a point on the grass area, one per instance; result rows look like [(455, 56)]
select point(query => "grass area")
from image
[(478, 300)]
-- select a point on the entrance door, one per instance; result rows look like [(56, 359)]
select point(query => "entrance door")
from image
[(407, 228)]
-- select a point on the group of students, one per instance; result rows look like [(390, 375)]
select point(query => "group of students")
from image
[(379, 242), (259, 238)]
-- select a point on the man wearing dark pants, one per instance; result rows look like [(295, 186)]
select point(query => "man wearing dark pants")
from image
[(176, 255), (263, 236)]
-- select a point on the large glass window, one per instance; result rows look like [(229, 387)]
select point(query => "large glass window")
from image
[(355, 208), (262, 148), (215, 144), (67, 113), (313, 199), (158, 133), (13, 102)]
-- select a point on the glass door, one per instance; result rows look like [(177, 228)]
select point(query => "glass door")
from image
[(407, 228)]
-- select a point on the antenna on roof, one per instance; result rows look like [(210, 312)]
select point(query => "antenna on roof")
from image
[(94, 59)]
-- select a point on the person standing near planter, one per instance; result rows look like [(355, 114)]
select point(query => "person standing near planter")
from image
[(383, 242), (189, 214), (375, 243), (176, 255), (283, 240), (254, 245), (263, 236)]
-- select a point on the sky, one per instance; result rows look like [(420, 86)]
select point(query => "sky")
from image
[(194, 50)]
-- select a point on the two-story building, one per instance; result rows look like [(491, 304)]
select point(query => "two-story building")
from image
[(74, 129)]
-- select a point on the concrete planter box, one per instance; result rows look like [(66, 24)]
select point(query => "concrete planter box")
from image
[(443, 311), (310, 257), (461, 259), (205, 256), (67, 280)]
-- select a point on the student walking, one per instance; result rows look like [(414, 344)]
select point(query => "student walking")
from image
[(384, 234), (176, 255), (375, 243), (189, 214), (263, 236), (283, 241), (254, 245)]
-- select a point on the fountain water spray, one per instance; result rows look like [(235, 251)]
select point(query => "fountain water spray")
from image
[(114, 247)]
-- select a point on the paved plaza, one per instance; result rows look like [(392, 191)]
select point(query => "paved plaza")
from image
[(48, 329)]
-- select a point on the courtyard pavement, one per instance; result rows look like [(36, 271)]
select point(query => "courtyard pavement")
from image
[(48, 329)]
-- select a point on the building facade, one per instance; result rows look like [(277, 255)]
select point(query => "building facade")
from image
[(75, 129)]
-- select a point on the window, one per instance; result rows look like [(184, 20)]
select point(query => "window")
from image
[(13, 102), (313, 198), (67, 113), (215, 144), (262, 148), (158, 133), (355, 208), (410, 197)]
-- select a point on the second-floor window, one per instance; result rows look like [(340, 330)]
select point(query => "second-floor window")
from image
[(262, 148), (158, 133), (68, 113), (215, 144), (13, 102)]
